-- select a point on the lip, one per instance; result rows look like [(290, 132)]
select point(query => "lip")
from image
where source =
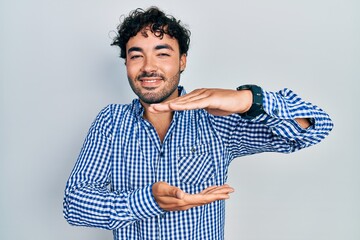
[(150, 81)]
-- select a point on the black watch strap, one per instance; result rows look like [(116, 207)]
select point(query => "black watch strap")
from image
[(257, 106)]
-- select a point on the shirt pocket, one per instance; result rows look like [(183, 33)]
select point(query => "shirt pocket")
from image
[(195, 164)]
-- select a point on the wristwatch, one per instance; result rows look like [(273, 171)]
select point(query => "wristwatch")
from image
[(257, 104)]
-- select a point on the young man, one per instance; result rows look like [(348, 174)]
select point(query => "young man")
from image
[(157, 168)]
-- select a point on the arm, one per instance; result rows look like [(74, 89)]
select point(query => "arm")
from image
[(288, 124), (284, 127), (88, 199)]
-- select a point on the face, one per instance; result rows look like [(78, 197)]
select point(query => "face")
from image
[(153, 67)]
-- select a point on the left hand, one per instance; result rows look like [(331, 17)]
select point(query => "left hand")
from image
[(171, 198), (219, 102)]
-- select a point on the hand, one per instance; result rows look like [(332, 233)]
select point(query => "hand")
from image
[(172, 198), (218, 102)]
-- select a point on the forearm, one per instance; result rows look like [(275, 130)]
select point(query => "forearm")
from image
[(288, 116), (88, 200), (303, 122), (287, 124), (94, 206)]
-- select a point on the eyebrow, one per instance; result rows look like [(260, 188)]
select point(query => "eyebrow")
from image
[(158, 47), (164, 46), (135, 49)]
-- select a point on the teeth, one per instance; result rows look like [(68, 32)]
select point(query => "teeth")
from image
[(149, 81)]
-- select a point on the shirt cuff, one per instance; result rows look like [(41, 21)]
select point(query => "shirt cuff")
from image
[(282, 108), (142, 203)]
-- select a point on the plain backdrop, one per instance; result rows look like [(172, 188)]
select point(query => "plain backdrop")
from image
[(58, 70)]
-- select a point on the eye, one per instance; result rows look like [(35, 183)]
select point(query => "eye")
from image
[(135, 57), (164, 55)]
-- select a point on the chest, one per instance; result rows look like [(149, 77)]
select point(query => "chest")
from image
[(190, 156)]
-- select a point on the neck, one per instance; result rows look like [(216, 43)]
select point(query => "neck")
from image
[(160, 121)]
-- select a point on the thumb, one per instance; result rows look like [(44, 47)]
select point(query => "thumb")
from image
[(176, 192), (180, 194)]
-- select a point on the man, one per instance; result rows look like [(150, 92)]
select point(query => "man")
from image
[(157, 168)]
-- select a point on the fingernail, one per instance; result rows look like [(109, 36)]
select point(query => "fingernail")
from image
[(179, 194)]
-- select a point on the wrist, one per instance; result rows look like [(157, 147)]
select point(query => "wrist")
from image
[(256, 106), (142, 203), (246, 99)]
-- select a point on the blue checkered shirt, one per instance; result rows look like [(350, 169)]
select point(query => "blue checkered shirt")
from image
[(110, 186)]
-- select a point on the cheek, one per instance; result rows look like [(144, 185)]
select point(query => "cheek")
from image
[(131, 71), (172, 67)]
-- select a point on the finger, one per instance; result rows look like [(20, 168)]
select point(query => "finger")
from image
[(196, 104), (172, 200), (163, 189), (165, 107), (179, 193), (208, 189), (220, 189), (183, 207), (196, 92), (227, 190), (159, 107), (201, 199), (189, 201), (194, 95), (175, 192), (179, 104)]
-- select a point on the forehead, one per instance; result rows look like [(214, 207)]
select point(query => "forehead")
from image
[(150, 40)]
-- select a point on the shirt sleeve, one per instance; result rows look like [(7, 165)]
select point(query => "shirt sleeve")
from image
[(276, 130), (89, 199)]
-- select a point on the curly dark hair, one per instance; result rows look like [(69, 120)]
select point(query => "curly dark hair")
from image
[(159, 24)]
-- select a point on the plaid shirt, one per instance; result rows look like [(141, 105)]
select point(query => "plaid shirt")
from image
[(110, 186)]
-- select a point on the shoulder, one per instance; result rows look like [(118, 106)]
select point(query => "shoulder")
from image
[(113, 112), (118, 108)]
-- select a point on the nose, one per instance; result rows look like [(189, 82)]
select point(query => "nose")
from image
[(150, 65)]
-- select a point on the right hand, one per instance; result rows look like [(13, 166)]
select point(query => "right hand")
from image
[(219, 102), (172, 198)]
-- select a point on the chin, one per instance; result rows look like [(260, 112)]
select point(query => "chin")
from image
[(151, 98), (151, 101)]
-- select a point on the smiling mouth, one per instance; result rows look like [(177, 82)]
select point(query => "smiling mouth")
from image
[(149, 80), (150, 83)]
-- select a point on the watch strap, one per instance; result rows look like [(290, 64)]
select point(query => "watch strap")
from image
[(257, 104)]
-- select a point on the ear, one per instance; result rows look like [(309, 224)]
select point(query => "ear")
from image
[(182, 62)]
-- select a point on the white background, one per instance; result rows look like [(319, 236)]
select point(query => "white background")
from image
[(57, 71)]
